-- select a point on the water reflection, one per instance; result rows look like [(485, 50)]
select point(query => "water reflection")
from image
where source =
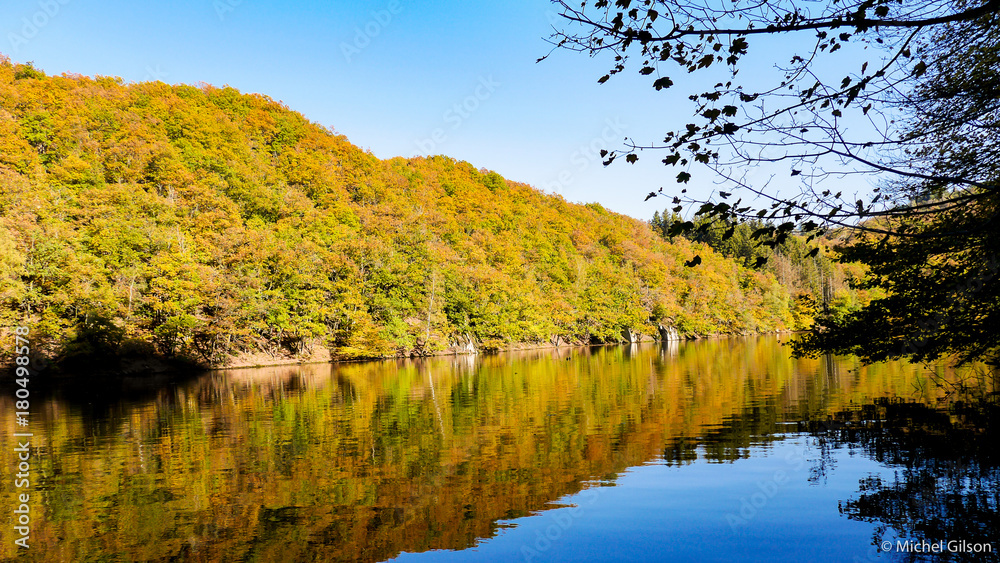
[(368, 461), (945, 483)]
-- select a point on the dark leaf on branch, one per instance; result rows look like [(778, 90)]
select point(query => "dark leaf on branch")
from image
[(663, 82)]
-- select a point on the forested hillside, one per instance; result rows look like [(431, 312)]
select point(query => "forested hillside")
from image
[(203, 223), (816, 280)]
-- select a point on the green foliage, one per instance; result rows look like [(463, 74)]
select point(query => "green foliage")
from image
[(936, 299), (810, 278), (207, 224), (938, 265), (27, 71), (924, 76)]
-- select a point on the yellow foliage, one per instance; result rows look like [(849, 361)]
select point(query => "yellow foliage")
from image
[(210, 223)]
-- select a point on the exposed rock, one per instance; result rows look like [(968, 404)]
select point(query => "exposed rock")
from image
[(668, 332), (463, 344), (419, 349), (629, 336)]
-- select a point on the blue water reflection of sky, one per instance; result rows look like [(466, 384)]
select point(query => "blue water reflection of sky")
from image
[(775, 505)]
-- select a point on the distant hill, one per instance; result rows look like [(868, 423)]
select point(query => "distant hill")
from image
[(203, 223)]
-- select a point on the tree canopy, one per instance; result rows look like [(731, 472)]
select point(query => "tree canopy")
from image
[(204, 223), (902, 94)]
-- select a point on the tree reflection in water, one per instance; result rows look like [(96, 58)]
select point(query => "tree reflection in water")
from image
[(366, 461), (946, 484)]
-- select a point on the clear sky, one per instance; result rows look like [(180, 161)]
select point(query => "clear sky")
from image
[(397, 77)]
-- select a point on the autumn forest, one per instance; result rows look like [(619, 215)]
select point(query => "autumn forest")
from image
[(755, 321), (222, 228)]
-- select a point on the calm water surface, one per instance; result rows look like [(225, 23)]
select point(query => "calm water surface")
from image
[(719, 450)]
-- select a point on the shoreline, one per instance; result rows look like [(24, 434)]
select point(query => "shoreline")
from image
[(156, 368), (518, 347)]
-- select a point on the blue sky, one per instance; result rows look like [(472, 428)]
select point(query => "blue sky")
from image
[(397, 77)]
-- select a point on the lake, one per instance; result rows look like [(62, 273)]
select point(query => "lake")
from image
[(709, 450)]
